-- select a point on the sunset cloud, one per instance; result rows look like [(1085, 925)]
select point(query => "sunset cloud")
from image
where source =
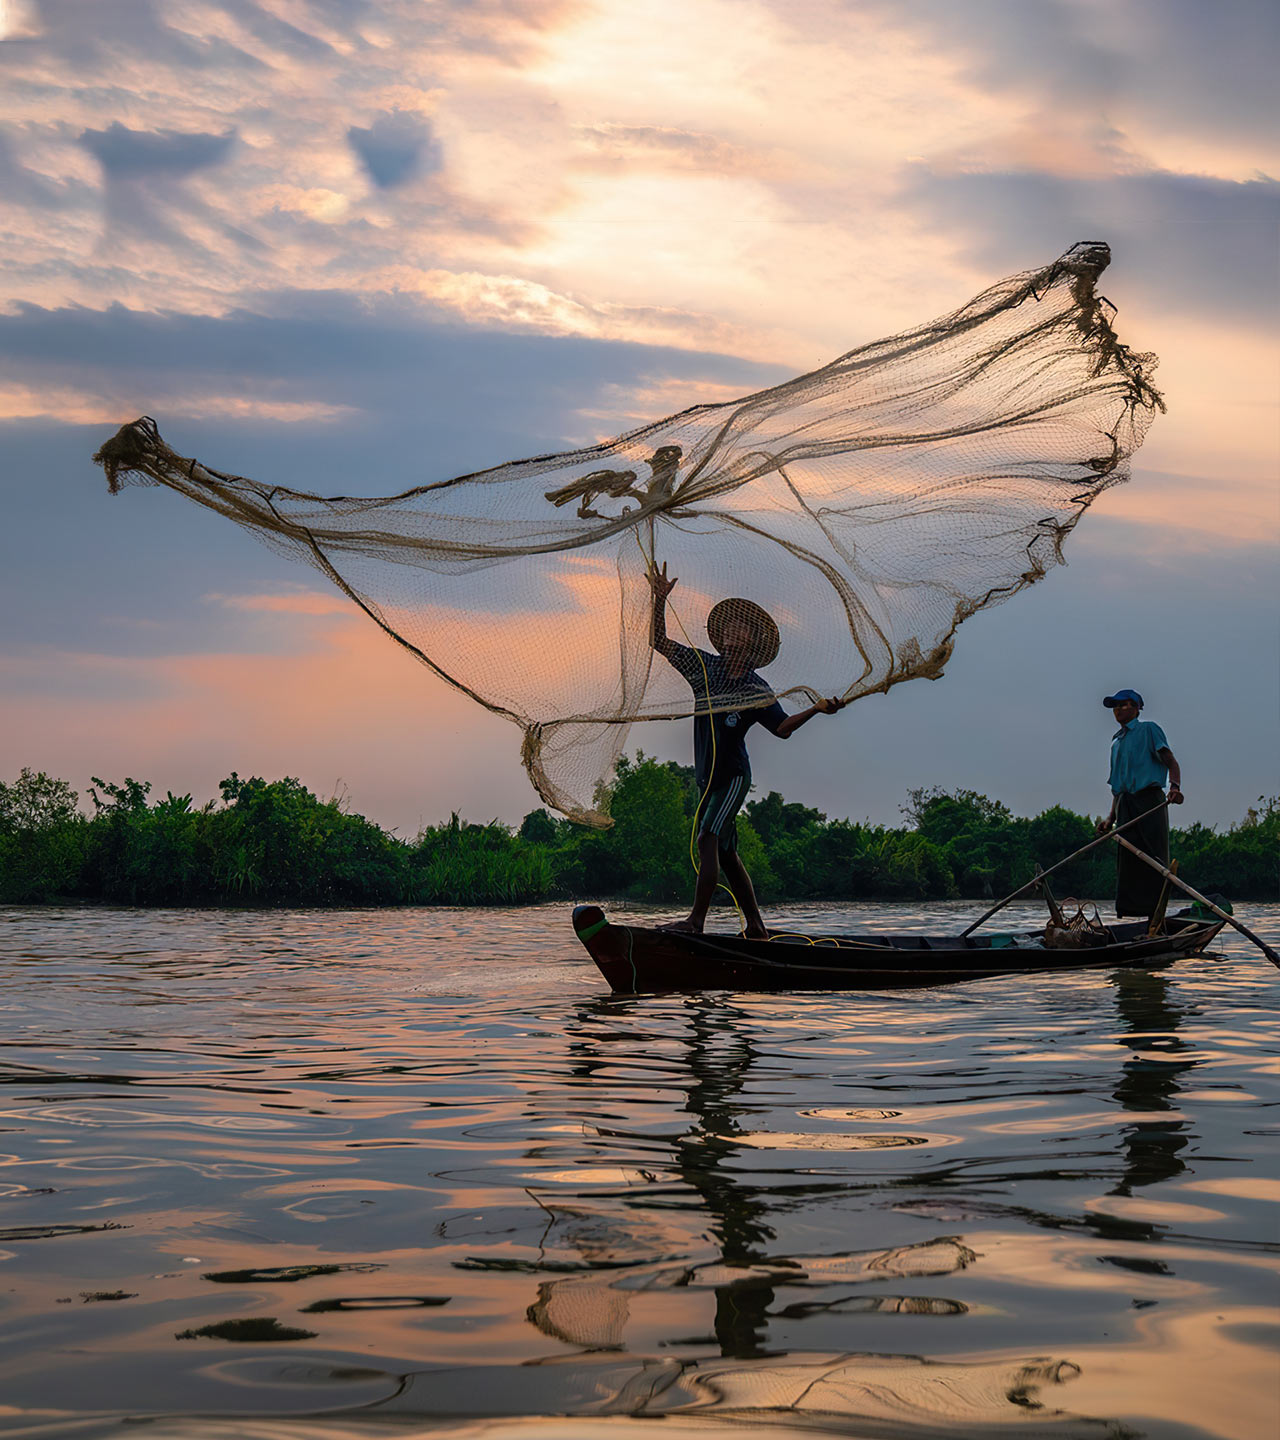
[(154, 154), (356, 247), (301, 602), (395, 149), (76, 407), (185, 722)]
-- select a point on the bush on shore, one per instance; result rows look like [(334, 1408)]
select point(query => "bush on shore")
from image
[(275, 843)]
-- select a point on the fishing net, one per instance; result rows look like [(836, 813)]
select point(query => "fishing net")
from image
[(869, 507)]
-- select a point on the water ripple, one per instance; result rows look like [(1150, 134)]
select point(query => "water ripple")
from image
[(418, 1169)]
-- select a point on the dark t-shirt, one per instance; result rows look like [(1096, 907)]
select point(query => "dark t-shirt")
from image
[(728, 756)]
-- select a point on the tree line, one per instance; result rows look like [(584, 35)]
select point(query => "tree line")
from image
[(273, 842)]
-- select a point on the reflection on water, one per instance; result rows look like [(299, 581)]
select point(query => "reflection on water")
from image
[(1151, 1011), (399, 1172)]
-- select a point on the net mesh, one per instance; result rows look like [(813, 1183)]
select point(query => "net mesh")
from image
[(869, 506)]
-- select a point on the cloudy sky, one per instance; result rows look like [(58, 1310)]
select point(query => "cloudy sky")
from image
[(355, 245)]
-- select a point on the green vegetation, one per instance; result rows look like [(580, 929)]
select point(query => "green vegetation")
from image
[(275, 843)]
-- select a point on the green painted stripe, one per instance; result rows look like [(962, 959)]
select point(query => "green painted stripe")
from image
[(592, 930)]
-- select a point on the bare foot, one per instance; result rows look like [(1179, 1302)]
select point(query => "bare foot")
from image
[(755, 932), (681, 927)]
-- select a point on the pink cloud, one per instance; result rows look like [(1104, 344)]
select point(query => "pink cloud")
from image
[(348, 710), (305, 602)]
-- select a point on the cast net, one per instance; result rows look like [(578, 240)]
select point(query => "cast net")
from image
[(869, 506)]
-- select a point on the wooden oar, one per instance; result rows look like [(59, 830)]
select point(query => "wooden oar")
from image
[(1196, 895), (1097, 840), (1156, 923), (1056, 916)]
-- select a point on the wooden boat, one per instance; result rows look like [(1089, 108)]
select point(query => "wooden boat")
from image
[(634, 958)]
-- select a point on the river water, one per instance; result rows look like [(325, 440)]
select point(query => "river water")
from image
[(304, 1174)]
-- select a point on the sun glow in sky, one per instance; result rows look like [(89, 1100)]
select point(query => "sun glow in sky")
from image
[(353, 247)]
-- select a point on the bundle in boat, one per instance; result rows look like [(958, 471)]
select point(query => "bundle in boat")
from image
[(870, 507)]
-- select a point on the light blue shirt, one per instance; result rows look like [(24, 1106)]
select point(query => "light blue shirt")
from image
[(1134, 763)]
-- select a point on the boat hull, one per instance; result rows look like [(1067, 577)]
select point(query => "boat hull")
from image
[(636, 959)]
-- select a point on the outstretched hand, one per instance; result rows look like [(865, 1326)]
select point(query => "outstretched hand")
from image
[(658, 582), (829, 707)]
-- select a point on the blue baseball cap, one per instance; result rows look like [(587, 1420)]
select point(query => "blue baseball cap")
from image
[(1121, 695)]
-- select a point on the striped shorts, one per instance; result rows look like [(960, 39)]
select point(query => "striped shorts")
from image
[(718, 815)]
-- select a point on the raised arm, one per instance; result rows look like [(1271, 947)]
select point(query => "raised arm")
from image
[(661, 587)]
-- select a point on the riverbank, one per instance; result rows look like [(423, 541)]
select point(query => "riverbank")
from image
[(275, 843)]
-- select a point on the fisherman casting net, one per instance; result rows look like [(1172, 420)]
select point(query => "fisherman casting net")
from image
[(869, 507)]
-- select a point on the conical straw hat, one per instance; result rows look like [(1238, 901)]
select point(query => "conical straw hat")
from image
[(765, 640)]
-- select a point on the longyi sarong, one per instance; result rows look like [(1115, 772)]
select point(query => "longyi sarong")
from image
[(1138, 886)]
